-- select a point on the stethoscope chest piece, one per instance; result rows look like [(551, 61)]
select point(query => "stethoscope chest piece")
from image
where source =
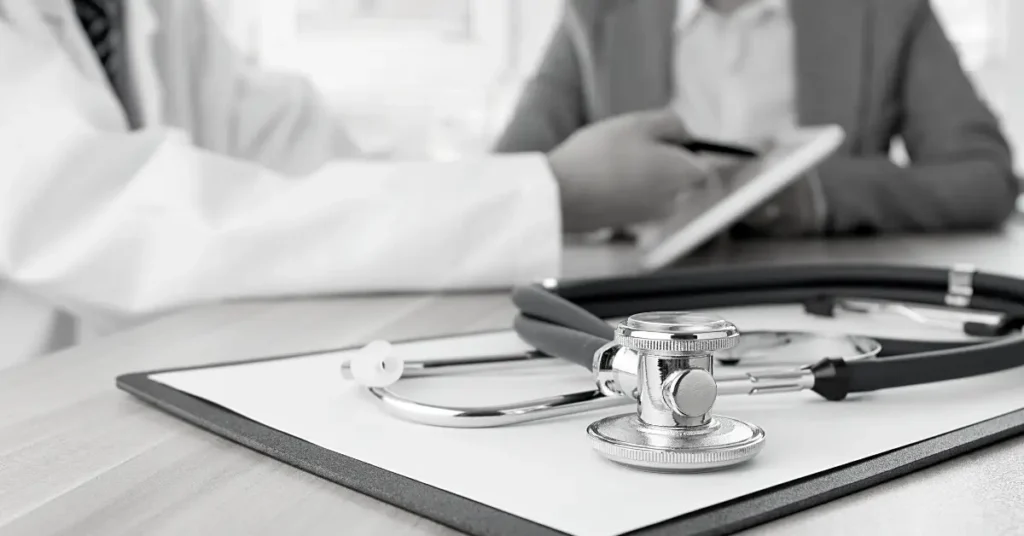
[(673, 429), (720, 443)]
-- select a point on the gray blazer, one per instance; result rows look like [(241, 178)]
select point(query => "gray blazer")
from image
[(879, 68)]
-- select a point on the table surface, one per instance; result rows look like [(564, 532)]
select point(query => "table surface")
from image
[(78, 456)]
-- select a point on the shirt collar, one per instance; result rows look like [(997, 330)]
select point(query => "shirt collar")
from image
[(688, 10)]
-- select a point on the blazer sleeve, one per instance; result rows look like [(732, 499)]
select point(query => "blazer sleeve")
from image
[(550, 107), (961, 173)]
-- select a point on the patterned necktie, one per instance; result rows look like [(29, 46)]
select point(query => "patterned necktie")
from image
[(103, 22)]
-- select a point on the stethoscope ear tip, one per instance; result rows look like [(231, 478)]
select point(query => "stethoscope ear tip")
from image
[(374, 365)]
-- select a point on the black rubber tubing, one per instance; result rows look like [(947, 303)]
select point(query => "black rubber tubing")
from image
[(776, 296), (706, 280), (925, 362), (936, 366), (547, 306), (575, 346)]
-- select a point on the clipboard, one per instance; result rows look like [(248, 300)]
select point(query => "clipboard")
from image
[(478, 519)]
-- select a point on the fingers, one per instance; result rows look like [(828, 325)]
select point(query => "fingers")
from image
[(684, 167), (663, 125), (717, 161), (766, 145)]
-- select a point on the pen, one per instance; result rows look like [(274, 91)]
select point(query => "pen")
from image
[(703, 146)]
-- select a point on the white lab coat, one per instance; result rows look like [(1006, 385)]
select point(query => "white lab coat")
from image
[(240, 185)]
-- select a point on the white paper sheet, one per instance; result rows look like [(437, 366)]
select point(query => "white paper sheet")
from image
[(546, 471)]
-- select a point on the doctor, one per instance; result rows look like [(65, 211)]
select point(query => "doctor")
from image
[(146, 167)]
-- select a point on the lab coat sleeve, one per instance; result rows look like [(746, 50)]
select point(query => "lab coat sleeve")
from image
[(277, 119), (116, 226)]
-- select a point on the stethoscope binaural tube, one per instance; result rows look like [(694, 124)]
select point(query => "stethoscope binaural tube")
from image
[(565, 320), (715, 280), (663, 356)]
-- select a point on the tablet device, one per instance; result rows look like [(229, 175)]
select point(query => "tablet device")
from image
[(711, 208)]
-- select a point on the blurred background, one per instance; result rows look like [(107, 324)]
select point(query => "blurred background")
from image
[(437, 78)]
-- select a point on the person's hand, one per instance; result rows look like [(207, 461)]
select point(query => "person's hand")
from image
[(724, 167), (625, 170), (795, 211)]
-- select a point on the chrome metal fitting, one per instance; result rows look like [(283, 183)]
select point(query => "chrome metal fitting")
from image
[(668, 360), (676, 332), (960, 285)]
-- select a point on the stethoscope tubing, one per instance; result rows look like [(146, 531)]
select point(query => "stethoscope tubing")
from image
[(566, 320), (606, 308), (711, 280)]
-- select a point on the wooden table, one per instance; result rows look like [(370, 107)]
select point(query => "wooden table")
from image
[(79, 457)]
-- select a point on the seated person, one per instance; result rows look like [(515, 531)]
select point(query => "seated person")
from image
[(739, 70)]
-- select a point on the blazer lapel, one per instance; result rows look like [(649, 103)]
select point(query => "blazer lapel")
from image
[(633, 57), (830, 42)]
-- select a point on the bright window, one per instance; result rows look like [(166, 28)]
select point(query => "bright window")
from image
[(977, 28), (451, 18), (425, 78), (986, 33), (436, 78)]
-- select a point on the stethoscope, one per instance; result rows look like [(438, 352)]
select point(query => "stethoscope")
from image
[(662, 358)]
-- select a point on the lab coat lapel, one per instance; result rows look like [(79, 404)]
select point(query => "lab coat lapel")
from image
[(25, 16), (633, 53), (60, 17), (143, 21), (54, 23), (830, 44)]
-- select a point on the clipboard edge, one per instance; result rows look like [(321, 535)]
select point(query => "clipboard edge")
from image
[(471, 517)]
